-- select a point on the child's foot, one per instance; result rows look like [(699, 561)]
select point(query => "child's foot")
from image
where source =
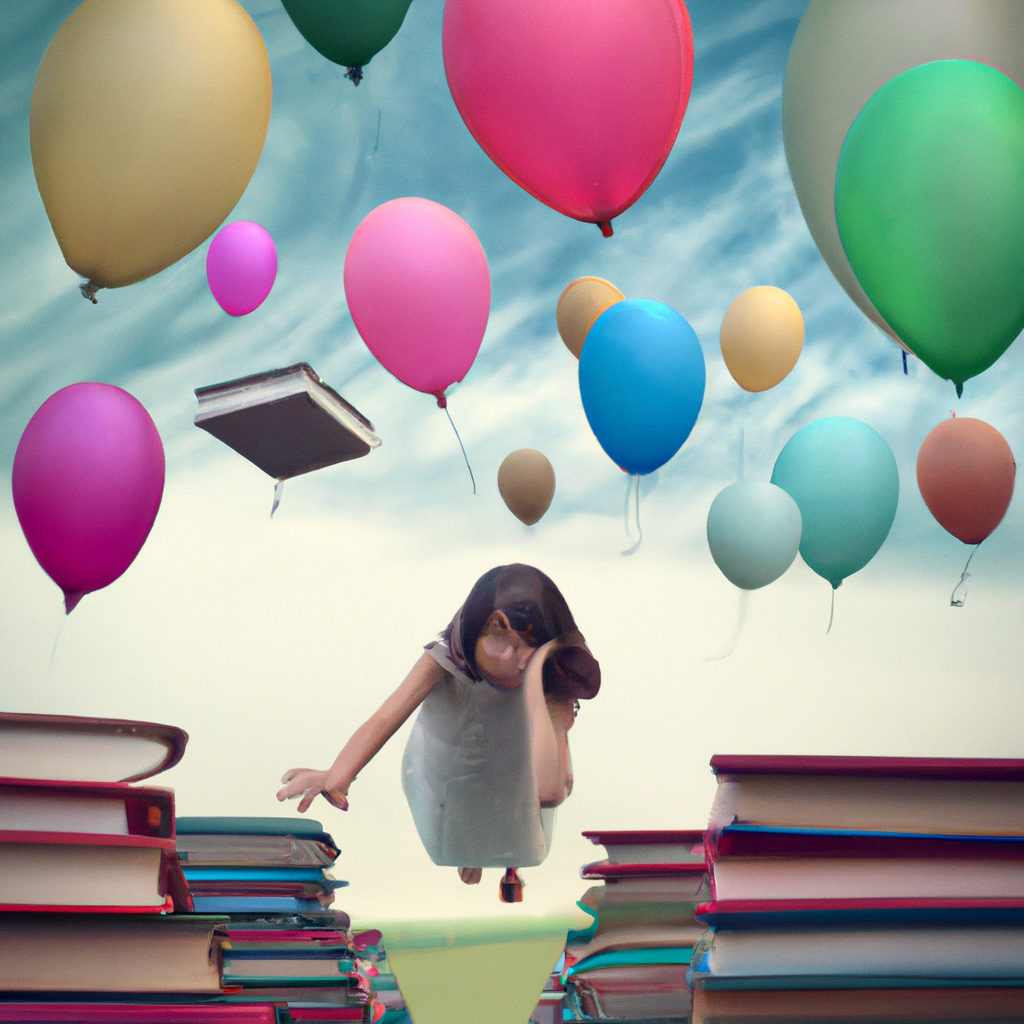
[(471, 876), (510, 889)]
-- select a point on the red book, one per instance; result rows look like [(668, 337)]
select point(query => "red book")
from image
[(604, 869), (1009, 769)]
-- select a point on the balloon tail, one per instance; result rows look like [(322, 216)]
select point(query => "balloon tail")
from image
[(831, 612), (958, 602), (606, 228), (71, 599), (278, 492), (354, 73), (741, 618), (442, 401), (904, 362), (639, 533), (959, 388), (89, 290)]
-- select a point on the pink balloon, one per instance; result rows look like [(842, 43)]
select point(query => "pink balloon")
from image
[(578, 101), (419, 291), (88, 477), (241, 265)]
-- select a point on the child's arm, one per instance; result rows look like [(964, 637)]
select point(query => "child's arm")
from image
[(365, 741), (549, 725)]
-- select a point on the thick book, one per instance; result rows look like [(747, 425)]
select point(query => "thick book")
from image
[(75, 748), (651, 847), (286, 422), (233, 850), (948, 796), (641, 992)]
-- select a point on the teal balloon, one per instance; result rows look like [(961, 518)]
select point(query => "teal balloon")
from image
[(753, 533), (843, 477), (348, 32), (930, 210)]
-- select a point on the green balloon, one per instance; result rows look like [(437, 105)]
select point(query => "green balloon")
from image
[(348, 32), (930, 210)]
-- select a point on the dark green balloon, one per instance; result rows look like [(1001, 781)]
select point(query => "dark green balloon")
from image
[(930, 210), (348, 32)]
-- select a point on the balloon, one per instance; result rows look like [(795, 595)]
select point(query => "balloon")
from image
[(348, 32), (87, 480), (841, 55), (241, 265), (753, 533), (526, 482), (642, 382), (965, 472), (419, 291), (928, 204), (148, 119), (578, 102), (762, 337), (843, 477), (580, 304)]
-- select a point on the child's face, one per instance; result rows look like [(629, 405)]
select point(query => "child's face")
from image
[(502, 654)]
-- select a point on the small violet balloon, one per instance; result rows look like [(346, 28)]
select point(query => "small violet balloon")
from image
[(419, 291), (241, 265), (843, 477), (578, 102), (642, 380), (88, 477), (753, 533)]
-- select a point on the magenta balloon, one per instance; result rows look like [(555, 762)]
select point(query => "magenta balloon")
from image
[(419, 291), (578, 101), (87, 480), (241, 265)]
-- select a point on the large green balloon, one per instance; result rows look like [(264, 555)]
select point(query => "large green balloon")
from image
[(348, 32), (930, 210)]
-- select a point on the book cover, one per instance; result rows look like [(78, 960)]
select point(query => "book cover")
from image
[(608, 869), (651, 847), (963, 768)]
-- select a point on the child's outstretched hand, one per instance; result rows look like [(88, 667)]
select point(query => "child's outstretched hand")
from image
[(310, 783)]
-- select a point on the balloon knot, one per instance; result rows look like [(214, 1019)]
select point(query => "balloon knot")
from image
[(959, 388), (71, 599), (355, 74), (442, 401), (89, 290), (606, 228)]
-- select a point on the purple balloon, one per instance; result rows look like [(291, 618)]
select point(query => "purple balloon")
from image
[(241, 265), (87, 480)]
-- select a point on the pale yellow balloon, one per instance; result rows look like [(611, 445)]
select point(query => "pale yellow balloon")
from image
[(526, 481), (148, 119), (579, 305), (762, 337)]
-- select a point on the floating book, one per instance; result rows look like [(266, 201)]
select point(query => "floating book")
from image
[(287, 422)]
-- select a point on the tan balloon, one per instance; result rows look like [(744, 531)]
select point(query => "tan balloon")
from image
[(762, 337), (148, 119), (526, 481), (579, 305)]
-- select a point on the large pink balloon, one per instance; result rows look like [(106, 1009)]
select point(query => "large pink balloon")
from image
[(88, 478), (419, 291), (577, 101), (241, 265)]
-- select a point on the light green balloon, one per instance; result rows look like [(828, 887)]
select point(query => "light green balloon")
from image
[(930, 210)]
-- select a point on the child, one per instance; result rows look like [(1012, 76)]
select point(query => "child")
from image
[(488, 756)]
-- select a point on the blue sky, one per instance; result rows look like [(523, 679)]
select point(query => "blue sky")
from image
[(269, 641)]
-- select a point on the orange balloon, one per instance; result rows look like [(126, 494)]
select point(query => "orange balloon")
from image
[(580, 304), (965, 472), (526, 481), (762, 337)]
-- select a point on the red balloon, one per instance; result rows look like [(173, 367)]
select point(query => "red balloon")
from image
[(88, 477), (577, 101), (965, 472)]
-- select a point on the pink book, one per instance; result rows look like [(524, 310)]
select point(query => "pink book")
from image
[(963, 768), (139, 1013)]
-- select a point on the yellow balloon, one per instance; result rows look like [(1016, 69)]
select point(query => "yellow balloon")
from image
[(762, 337), (579, 305), (148, 119), (526, 481)]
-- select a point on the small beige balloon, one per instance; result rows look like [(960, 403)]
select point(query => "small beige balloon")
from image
[(526, 481), (762, 337), (148, 119), (580, 304)]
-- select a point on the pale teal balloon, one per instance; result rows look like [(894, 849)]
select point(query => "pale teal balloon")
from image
[(753, 533), (844, 479)]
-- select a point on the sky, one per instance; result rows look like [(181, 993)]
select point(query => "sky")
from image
[(269, 641)]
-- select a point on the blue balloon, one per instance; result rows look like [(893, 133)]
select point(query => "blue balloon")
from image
[(642, 382), (844, 479)]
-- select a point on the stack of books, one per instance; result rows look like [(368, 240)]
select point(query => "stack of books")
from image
[(631, 964), (863, 888), (284, 943)]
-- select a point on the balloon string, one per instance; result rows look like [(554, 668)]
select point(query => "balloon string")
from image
[(958, 602), (831, 612), (278, 491), (741, 617), (639, 532), (461, 445), (53, 651)]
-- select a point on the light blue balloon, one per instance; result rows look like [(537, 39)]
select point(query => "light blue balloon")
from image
[(642, 382), (753, 533), (843, 477)]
